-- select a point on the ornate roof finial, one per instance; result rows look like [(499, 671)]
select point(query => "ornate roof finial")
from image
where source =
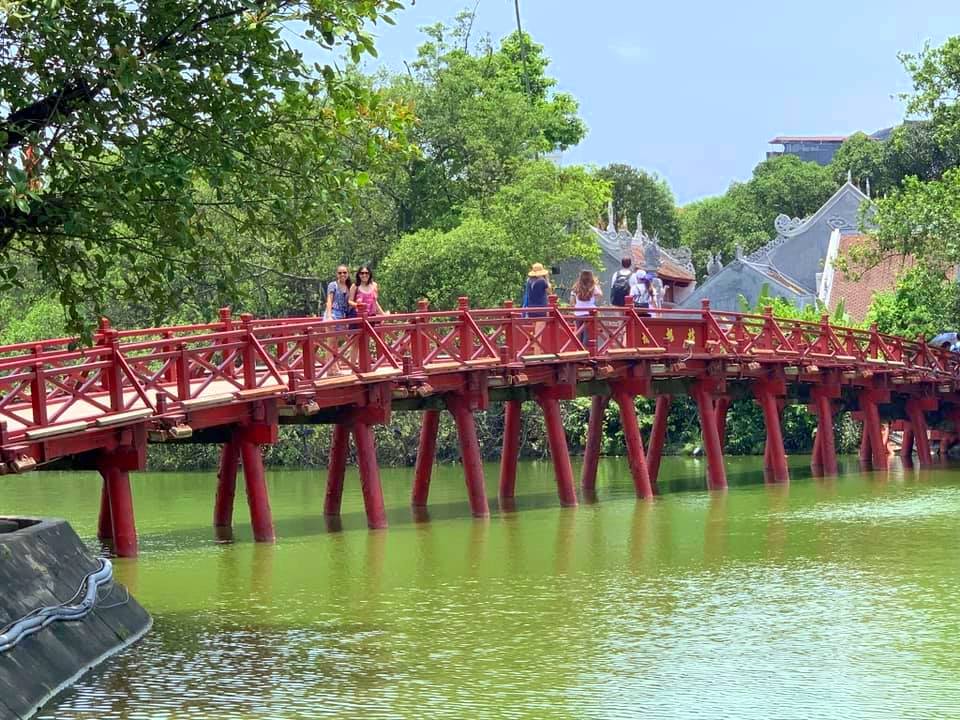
[(714, 265), (639, 233), (622, 226), (849, 175), (738, 251), (868, 187), (610, 226)]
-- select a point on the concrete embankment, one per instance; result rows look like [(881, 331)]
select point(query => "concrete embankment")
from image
[(43, 564)]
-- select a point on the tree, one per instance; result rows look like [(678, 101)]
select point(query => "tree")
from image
[(124, 120), (543, 216), (923, 301), (637, 191), (864, 159), (744, 215), (481, 113)]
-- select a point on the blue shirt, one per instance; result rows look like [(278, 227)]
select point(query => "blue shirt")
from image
[(341, 304), (537, 292)]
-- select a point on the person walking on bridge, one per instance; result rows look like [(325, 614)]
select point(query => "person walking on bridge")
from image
[(535, 294), (584, 297)]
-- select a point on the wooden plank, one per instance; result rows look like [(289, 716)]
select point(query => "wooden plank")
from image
[(63, 428), (208, 401), (252, 393), (118, 418)]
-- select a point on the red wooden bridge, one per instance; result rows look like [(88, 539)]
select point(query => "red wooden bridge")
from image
[(234, 382)]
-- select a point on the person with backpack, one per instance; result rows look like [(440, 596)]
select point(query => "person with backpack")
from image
[(621, 285)]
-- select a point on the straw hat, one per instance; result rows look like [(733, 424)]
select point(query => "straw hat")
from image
[(537, 270)]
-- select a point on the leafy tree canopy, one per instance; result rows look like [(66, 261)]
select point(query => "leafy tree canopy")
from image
[(744, 215), (637, 191), (482, 111), (543, 216), (923, 302), (127, 126)]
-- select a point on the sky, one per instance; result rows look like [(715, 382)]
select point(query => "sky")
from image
[(694, 89)]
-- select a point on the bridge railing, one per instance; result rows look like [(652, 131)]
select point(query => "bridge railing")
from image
[(61, 383)]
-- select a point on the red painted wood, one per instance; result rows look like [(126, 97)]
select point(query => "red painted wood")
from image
[(776, 456), (336, 468), (226, 485), (426, 453), (121, 510), (827, 446), (918, 423), (512, 421), (658, 436), (470, 455), (369, 476), (104, 522), (559, 454), (591, 453), (631, 435), (258, 501), (716, 471)]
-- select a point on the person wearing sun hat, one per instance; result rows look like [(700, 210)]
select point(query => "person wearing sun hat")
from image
[(535, 294)]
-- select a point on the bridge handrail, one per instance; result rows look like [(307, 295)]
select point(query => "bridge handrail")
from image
[(49, 381)]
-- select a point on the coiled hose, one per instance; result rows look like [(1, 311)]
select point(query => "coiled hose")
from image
[(76, 608)]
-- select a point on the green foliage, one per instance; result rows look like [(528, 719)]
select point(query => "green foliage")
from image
[(744, 215), (784, 308), (43, 319), (481, 113), (637, 191), (923, 302), (147, 120), (543, 216)]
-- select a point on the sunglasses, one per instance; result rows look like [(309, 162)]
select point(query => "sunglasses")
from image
[(364, 272), (342, 272)]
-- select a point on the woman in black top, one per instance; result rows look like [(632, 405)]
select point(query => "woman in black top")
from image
[(535, 296)]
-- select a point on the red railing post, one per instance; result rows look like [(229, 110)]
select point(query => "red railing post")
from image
[(226, 320), (38, 389), (113, 374), (183, 372), (363, 345), (510, 332), (418, 350), (552, 331), (249, 353), (308, 356), (465, 331), (170, 374)]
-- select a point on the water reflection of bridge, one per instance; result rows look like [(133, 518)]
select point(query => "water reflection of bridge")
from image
[(233, 383)]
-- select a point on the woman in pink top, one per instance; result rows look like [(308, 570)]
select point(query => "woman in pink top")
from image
[(365, 292)]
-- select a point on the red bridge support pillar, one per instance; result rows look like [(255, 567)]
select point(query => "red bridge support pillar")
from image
[(426, 453), (766, 394), (469, 454), (591, 453), (706, 408), (658, 436), (369, 475), (559, 453), (336, 469), (261, 519), (104, 522), (123, 526), (825, 451), (921, 437), (631, 435), (226, 490), (866, 456), (873, 429), (906, 445), (512, 414)]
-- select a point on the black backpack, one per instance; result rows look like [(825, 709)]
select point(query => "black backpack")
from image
[(620, 288)]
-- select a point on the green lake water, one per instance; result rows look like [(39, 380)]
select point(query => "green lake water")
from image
[(822, 599)]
